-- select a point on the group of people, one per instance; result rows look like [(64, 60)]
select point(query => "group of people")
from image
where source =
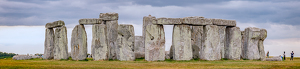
[(283, 58)]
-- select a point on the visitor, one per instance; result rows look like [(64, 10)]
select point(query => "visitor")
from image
[(292, 56), (283, 55), (268, 54)]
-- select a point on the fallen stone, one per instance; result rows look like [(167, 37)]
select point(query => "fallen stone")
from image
[(197, 33), (168, 21), (233, 43), (60, 43), (55, 24), (182, 42), (167, 55), (263, 36), (21, 57), (112, 35), (79, 43), (222, 39), (49, 44), (90, 21), (276, 58), (100, 49), (154, 43), (139, 48), (252, 36), (210, 50), (109, 16), (222, 22), (125, 43)]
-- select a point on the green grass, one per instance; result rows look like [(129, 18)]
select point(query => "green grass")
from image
[(141, 63)]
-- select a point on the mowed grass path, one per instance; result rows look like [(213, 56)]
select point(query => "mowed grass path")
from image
[(140, 63)]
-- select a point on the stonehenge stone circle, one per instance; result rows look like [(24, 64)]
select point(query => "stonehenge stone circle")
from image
[(182, 42), (197, 33), (233, 43), (112, 34), (91, 21), (60, 43), (210, 43), (222, 36), (154, 43), (139, 48), (79, 43), (100, 49), (49, 44), (125, 43)]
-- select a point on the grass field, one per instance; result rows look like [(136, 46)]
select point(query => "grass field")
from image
[(140, 63)]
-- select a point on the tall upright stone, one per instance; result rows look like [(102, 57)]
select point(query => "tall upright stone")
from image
[(147, 20), (112, 34), (49, 44), (100, 50), (154, 43), (197, 33), (263, 36), (210, 43), (79, 43), (233, 43), (125, 43), (139, 48), (182, 42), (252, 36), (243, 42), (61, 43), (222, 39)]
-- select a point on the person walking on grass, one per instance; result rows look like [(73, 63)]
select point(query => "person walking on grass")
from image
[(283, 55), (292, 56), (268, 54)]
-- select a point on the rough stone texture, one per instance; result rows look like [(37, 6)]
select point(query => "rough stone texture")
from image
[(112, 35), (233, 43), (263, 36), (154, 43), (222, 39), (90, 21), (252, 36), (60, 43), (197, 32), (147, 20), (222, 22), (79, 43), (243, 42), (49, 44), (167, 54), (276, 58), (210, 43), (168, 21), (24, 57), (194, 20), (139, 48), (55, 24), (125, 43), (100, 50), (109, 16), (182, 42)]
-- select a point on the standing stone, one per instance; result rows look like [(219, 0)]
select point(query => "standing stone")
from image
[(154, 43), (263, 36), (112, 34), (243, 42), (125, 43), (61, 43), (197, 32), (49, 44), (210, 43), (79, 43), (147, 20), (233, 43), (139, 48), (182, 42), (222, 39), (100, 50), (252, 36)]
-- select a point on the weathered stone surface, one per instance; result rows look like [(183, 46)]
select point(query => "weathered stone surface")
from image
[(24, 57), (147, 20), (139, 48), (210, 43), (233, 43), (222, 39), (168, 21), (276, 58), (55, 24), (243, 42), (60, 43), (109, 16), (112, 35), (197, 33), (167, 54), (222, 22), (125, 42), (171, 52), (90, 21), (79, 43), (49, 44), (100, 50), (154, 43), (194, 20), (182, 42), (252, 36), (263, 36)]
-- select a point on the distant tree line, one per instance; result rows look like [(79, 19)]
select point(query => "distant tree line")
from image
[(6, 55)]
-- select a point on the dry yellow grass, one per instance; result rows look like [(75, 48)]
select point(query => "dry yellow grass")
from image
[(140, 63)]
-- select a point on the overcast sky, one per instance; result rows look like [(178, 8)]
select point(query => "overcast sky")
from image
[(22, 21)]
